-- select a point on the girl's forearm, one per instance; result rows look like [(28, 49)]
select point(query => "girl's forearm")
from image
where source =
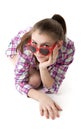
[(46, 78), (36, 95)]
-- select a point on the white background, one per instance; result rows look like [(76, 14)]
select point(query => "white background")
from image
[(16, 111)]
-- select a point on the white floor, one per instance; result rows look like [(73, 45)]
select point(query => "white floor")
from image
[(20, 113)]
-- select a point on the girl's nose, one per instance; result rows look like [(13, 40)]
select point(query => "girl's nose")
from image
[(38, 53)]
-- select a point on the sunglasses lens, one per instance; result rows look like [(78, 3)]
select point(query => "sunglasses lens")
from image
[(44, 51), (32, 49)]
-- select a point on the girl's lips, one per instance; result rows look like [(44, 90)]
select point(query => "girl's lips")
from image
[(40, 57)]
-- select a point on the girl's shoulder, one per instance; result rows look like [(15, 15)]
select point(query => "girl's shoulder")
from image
[(68, 44), (68, 41), (23, 31)]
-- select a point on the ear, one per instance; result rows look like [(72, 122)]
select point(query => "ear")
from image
[(59, 44)]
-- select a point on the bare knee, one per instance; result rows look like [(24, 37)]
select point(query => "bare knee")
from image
[(35, 80)]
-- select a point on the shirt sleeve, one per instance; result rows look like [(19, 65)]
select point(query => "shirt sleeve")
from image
[(59, 70), (11, 50), (22, 72)]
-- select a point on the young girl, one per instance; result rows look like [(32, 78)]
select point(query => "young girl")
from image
[(42, 56)]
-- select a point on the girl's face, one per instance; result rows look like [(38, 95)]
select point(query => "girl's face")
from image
[(41, 40)]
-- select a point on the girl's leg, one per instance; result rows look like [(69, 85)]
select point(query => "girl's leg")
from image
[(34, 75), (34, 78)]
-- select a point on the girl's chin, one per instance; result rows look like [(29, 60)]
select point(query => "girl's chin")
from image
[(40, 60)]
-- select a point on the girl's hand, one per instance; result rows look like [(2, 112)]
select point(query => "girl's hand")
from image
[(52, 58), (49, 108)]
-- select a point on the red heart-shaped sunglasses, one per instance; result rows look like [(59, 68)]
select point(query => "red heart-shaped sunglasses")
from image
[(42, 50)]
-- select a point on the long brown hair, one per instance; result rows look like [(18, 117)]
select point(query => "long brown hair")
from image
[(48, 26)]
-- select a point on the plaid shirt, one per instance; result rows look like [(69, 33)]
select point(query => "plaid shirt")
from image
[(27, 60)]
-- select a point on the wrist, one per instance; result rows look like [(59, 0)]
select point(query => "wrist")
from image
[(37, 95), (42, 66)]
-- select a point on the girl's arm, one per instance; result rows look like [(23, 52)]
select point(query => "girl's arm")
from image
[(48, 107), (46, 78), (22, 72), (57, 75)]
